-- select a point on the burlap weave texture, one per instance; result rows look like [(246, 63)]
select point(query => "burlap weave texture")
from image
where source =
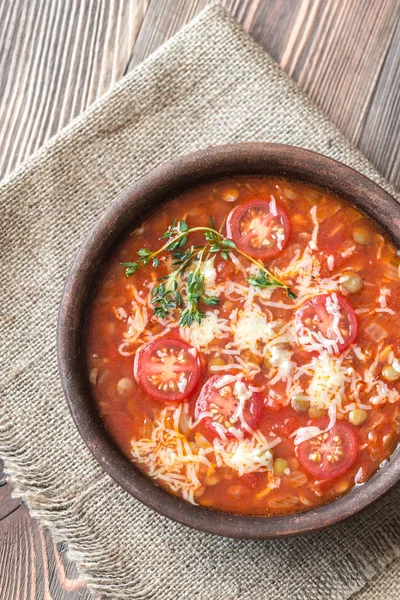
[(210, 84)]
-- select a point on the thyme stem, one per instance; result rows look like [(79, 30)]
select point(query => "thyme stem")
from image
[(166, 294), (178, 237)]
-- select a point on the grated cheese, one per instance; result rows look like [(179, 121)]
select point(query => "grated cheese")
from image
[(272, 206), (280, 357), (382, 297), (348, 251), (382, 393), (246, 456), (328, 379), (200, 335), (136, 321), (315, 341), (382, 301), (120, 313), (210, 275), (328, 382), (314, 236), (169, 457), (250, 328)]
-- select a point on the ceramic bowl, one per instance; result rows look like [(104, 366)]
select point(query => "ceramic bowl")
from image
[(128, 210)]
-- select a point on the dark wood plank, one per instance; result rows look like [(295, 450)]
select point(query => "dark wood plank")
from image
[(32, 567), (162, 19), (380, 136), (7, 504), (340, 53), (57, 57), (339, 62)]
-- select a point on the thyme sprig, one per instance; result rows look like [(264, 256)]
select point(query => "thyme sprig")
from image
[(195, 293), (166, 295), (218, 243), (145, 256), (264, 280)]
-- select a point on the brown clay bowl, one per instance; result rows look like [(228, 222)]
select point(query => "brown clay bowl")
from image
[(160, 185)]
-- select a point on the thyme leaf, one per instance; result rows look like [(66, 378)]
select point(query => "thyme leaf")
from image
[(262, 280), (167, 296), (171, 231), (265, 280), (131, 268)]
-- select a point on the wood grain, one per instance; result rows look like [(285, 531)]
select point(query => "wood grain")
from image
[(7, 504), (58, 56), (342, 54), (380, 136), (32, 567)]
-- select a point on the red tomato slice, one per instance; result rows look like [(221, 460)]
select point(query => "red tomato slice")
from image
[(259, 228), (168, 369), (329, 454), (224, 404), (338, 260), (332, 232), (225, 269), (333, 240), (324, 318)]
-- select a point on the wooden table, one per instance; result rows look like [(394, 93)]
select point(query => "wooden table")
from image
[(58, 56)]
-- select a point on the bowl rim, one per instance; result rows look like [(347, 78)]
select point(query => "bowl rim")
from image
[(165, 182)]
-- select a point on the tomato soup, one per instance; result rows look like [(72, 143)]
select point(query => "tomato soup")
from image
[(243, 347)]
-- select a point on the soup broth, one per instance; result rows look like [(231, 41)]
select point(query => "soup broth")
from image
[(244, 347)]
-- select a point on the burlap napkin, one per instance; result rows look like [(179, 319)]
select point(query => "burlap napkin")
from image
[(210, 84)]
